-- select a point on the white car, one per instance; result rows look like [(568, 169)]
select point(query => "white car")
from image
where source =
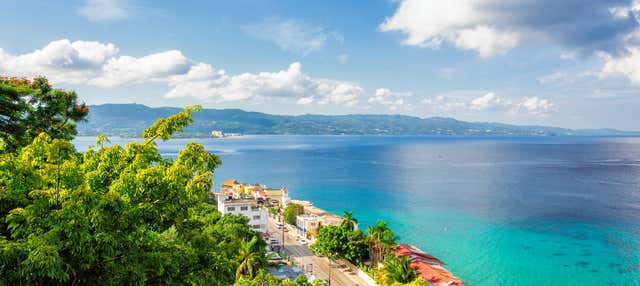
[(303, 241)]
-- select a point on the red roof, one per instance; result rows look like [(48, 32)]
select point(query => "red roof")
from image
[(427, 266), (229, 182)]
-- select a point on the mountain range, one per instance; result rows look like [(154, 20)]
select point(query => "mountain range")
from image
[(130, 119)]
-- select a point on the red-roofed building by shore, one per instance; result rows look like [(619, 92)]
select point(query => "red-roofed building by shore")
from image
[(427, 266)]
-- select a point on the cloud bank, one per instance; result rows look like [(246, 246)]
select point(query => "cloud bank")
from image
[(492, 27), (99, 64)]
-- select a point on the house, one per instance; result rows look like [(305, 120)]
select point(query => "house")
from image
[(307, 225), (257, 214)]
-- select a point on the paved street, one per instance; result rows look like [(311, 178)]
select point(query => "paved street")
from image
[(302, 256)]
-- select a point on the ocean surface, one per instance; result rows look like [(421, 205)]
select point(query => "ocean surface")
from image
[(498, 211)]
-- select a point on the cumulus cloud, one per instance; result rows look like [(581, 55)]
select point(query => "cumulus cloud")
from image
[(104, 10), (492, 27), (62, 61), (627, 65), (487, 102), (482, 101), (99, 64), (203, 82), (535, 105), (291, 35), (387, 97), (155, 67)]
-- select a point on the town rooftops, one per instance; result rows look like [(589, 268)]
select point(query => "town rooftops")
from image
[(230, 182)]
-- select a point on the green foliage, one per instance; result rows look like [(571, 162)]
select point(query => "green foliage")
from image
[(118, 215), (380, 239), (318, 282), (341, 241), (291, 211), (263, 278), (301, 280), (398, 269), (28, 108)]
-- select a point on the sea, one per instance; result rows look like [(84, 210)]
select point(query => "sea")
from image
[(497, 210)]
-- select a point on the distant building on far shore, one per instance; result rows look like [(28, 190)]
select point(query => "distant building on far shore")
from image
[(220, 134), (217, 134)]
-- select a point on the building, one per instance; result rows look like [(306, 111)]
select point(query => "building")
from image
[(261, 193), (250, 200), (307, 225), (428, 267), (217, 134), (248, 207)]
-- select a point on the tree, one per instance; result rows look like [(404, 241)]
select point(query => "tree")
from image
[(318, 282), (380, 239), (291, 212), (251, 258), (301, 280), (30, 107), (264, 278), (399, 269), (116, 215), (340, 241), (348, 221)]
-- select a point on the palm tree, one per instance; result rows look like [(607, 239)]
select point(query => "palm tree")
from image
[(380, 239), (251, 259), (399, 269), (348, 221)]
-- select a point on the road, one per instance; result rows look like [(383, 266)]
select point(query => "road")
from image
[(302, 256)]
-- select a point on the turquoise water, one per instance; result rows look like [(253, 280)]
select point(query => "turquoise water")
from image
[(498, 211)]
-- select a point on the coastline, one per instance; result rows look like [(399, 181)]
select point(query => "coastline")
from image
[(430, 268)]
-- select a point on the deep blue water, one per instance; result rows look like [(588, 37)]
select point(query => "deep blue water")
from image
[(499, 211)]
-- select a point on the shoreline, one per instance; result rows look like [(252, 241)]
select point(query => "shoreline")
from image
[(430, 268)]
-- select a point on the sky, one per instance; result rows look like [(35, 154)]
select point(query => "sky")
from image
[(571, 63)]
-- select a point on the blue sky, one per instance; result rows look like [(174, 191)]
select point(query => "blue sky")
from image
[(565, 63)]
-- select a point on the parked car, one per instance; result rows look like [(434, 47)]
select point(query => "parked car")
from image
[(303, 241)]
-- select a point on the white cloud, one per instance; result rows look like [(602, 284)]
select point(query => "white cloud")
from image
[(482, 101), (627, 64), (292, 35), (155, 67), (61, 61), (493, 27), (487, 41), (98, 64), (306, 100), (104, 10), (204, 83), (568, 55), (429, 23), (535, 106), (387, 97), (487, 102)]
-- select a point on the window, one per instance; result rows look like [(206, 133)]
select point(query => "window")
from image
[(244, 208), (255, 226), (256, 217), (254, 208), (231, 209)]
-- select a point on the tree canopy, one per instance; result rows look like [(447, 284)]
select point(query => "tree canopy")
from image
[(29, 107), (118, 215), (291, 211), (341, 241)]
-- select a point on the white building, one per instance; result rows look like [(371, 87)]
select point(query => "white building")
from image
[(307, 225), (249, 208)]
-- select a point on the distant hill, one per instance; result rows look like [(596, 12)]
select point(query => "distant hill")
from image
[(131, 119)]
